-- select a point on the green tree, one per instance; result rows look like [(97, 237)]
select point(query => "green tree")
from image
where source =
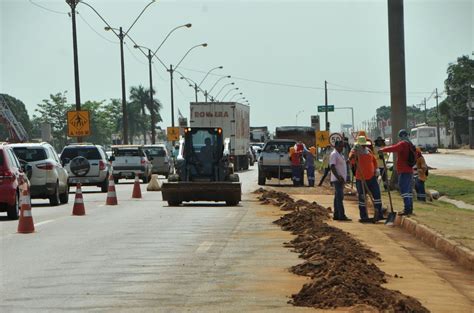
[(53, 111), (21, 114), (458, 87), (139, 99)]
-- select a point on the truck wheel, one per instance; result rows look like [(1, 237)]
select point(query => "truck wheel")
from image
[(261, 179), (173, 203), (232, 202), (105, 185), (116, 181)]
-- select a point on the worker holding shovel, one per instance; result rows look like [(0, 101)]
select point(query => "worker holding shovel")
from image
[(366, 179)]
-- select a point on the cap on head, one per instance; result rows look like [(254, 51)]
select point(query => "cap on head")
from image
[(402, 133), (362, 133)]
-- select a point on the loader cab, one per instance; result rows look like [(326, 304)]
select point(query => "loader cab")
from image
[(203, 152)]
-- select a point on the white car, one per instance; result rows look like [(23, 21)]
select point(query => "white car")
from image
[(131, 160), (48, 176)]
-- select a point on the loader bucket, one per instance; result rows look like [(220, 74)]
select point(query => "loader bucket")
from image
[(178, 192)]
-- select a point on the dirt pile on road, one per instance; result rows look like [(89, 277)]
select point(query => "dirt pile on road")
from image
[(342, 269)]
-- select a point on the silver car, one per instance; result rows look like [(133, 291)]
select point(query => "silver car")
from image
[(160, 158)]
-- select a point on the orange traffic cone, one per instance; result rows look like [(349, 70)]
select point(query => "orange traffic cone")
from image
[(111, 194), (26, 225), (78, 208), (137, 193)]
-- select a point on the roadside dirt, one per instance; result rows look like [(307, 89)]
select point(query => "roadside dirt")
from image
[(343, 271)]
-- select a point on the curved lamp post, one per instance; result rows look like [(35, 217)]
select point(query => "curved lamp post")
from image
[(217, 81), (236, 95), (150, 56), (223, 87), (237, 88), (121, 35)]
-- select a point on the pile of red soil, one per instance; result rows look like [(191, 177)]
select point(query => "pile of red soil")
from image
[(342, 270)]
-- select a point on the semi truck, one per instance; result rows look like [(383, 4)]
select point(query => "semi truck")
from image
[(304, 134), (234, 119), (259, 134)]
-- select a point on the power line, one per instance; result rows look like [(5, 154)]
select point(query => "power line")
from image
[(46, 9), (158, 73), (133, 54), (92, 28)]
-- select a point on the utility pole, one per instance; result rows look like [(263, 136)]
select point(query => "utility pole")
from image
[(397, 67), (172, 96), (73, 4), (196, 91), (152, 103), (437, 119), (426, 118), (326, 104), (470, 105), (124, 97)]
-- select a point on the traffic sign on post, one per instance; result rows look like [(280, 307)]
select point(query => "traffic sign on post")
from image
[(322, 138), (335, 137), (78, 123), (322, 108), (172, 133)]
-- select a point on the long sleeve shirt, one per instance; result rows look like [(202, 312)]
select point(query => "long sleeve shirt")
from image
[(365, 162), (402, 149), (421, 168)]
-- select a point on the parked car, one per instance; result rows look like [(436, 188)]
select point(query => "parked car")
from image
[(86, 164), (129, 160), (13, 180), (160, 159), (274, 161), (257, 148), (49, 179)]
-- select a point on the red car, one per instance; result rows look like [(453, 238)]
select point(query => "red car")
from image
[(13, 180)]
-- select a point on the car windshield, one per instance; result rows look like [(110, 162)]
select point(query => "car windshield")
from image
[(127, 152), (156, 151), (203, 138), (88, 153), (278, 146), (30, 154)]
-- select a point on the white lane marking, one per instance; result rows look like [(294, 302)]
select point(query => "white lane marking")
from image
[(44, 222), (204, 246)]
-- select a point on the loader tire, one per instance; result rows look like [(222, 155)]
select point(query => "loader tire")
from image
[(234, 178), (174, 203), (232, 202), (173, 178)]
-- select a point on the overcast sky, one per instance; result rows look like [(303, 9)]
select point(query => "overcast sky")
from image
[(279, 52)]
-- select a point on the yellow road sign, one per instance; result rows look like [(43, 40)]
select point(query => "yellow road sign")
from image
[(78, 123), (322, 138), (172, 133)]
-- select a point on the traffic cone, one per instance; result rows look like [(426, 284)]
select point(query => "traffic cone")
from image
[(78, 208), (26, 225), (137, 193), (111, 194)]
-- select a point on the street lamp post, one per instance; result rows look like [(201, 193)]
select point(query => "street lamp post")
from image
[(73, 4), (206, 93), (352, 113), (121, 35), (171, 70), (236, 95), (223, 87), (150, 56), (205, 76), (237, 88)]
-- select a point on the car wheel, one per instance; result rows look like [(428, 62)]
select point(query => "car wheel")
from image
[(64, 197), (13, 212), (116, 181), (54, 198), (261, 179), (105, 185)]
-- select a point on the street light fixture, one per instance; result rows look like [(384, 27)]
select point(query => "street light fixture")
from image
[(236, 95), (150, 56), (193, 85), (121, 35)]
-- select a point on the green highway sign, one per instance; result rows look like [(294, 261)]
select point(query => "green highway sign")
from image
[(322, 108)]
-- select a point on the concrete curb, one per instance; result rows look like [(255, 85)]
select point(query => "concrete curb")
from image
[(452, 249)]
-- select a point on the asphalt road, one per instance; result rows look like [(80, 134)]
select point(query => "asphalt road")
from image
[(449, 161), (140, 256)]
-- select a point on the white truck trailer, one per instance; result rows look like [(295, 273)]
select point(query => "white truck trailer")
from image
[(234, 119)]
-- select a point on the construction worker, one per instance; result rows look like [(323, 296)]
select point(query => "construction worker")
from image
[(299, 149), (406, 159), (380, 143), (296, 165), (325, 164), (309, 164), (421, 176), (338, 165), (366, 179)]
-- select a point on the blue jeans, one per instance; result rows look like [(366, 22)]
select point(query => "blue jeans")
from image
[(339, 212), (405, 183), (374, 189), (296, 174), (420, 190), (310, 175)]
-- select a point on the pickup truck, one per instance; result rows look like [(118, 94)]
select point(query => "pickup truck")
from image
[(130, 160), (274, 161)]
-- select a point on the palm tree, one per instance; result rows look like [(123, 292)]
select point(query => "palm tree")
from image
[(140, 98)]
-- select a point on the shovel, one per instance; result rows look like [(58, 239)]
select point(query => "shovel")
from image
[(392, 215)]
